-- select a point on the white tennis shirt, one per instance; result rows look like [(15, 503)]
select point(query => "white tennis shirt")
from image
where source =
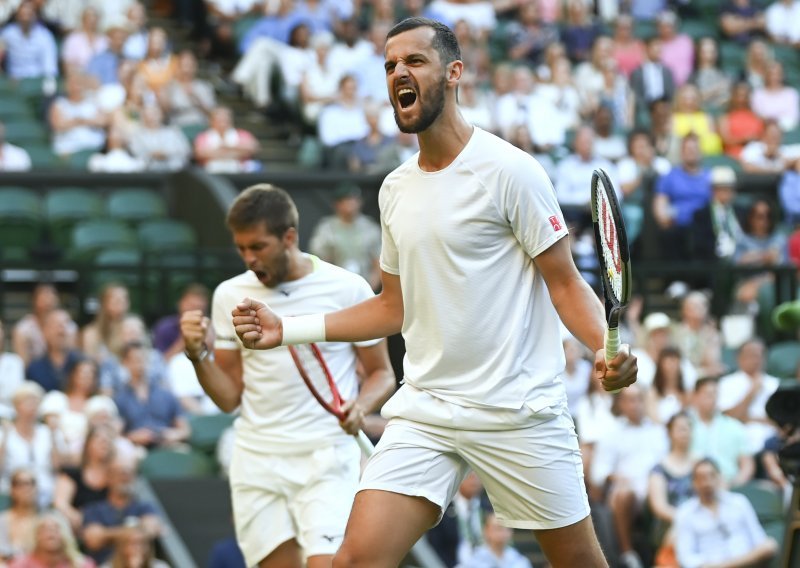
[(480, 328), (278, 413)]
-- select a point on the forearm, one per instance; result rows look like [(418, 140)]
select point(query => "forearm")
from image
[(755, 557), (581, 312), (379, 316), (223, 390), (376, 389)]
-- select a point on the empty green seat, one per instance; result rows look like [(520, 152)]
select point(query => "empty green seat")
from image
[(22, 130), (42, 157), (14, 108), (166, 235), (722, 160), (784, 359), (171, 464), (136, 205), (207, 430), (64, 207), (93, 236), (20, 220), (765, 498)]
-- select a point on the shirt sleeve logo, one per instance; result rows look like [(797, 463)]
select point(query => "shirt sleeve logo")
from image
[(555, 223)]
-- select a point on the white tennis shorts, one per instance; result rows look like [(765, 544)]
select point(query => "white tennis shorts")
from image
[(532, 473), (306, 497)]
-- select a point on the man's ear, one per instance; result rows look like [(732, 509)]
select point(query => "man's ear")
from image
[(290, 237), (454, 71)]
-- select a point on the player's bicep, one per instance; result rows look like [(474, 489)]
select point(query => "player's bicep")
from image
[(556, 266), (230, 362)]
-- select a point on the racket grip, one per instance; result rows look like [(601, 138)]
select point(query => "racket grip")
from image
[(365, 443), (612, 347)]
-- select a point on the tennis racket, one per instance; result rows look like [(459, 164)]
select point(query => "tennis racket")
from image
[(317, 377), (612, 253)]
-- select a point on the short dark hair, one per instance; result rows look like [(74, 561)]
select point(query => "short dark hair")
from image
[(705, 461), (703, 381), (263, 203), (444, 40), (130, 347)]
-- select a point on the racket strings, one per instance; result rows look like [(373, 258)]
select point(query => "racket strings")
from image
[(609, 243)]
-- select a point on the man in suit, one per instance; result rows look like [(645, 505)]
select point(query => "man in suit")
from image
[(715, 227), (652, 80)]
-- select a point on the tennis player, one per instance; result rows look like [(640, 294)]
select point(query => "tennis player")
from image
[(295, 470), (476, 273)]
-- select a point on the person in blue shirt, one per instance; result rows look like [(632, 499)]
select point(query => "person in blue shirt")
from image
[(105, 65), (28, 47), (105, 521), (496, 552), (678, 195), (152, 414), (50, 370)]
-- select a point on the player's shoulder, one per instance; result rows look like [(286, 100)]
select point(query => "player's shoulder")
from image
[(400, 172), (492, 153), (337, 276)]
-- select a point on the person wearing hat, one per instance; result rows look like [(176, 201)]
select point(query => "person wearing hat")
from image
[(715, 227), (349, 238), (657, 334), (26, 442)]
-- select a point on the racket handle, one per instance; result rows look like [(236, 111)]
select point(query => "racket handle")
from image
[(365, 443), (612, 347)]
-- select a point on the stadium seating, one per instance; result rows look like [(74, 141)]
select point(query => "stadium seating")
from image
[(207, 430), (136, 205), (166, 235), (93, 236), (784, 359), (165, 464), (20, 221), (66, 206)]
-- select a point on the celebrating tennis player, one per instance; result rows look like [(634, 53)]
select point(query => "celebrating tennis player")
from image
[(476, 273), (295, 469)]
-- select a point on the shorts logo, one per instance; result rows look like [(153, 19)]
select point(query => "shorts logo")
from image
[(555, 223), (331, 538)]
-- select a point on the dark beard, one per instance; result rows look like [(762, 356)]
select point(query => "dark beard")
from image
[(430, 111)]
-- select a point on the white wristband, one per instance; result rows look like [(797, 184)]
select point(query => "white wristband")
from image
[(303, 329)]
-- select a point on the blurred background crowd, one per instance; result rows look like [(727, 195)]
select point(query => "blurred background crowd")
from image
[(688, 105)]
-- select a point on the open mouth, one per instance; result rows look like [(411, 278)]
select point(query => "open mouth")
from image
[(406, 97)]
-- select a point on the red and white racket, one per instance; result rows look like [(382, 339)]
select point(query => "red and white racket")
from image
[(317, 377), (612, 254)]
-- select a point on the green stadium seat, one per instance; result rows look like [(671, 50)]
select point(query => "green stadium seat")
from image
[(732, 55), (192, 130), (14, 108), (66, 206), (79, 160), (699, 28), (23, 131), (42, 157), (644, 29), (783, 359), (5, 501), (166, 235), (93, 236), (173, 464), (722, 160), (136, 205), (792, 137), (207, 430), (20, 220), (765, 499)]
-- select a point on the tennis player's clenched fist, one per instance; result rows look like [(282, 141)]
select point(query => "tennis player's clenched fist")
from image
[(194, 330), (256, 325)]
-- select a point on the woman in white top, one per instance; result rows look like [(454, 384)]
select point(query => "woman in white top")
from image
[(667, 396), (27, 443), (78, 123), (320, 83)]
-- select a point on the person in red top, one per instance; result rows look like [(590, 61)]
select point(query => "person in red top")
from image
[(224, 148), (739, 125)]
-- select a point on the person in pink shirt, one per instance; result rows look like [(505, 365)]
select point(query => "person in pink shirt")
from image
[(777, 101), (628, 50), (677, 50), (84, 43), (225, 148)]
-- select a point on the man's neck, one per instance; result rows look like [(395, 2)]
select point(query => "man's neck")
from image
[(119, 500), (443, 141)]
